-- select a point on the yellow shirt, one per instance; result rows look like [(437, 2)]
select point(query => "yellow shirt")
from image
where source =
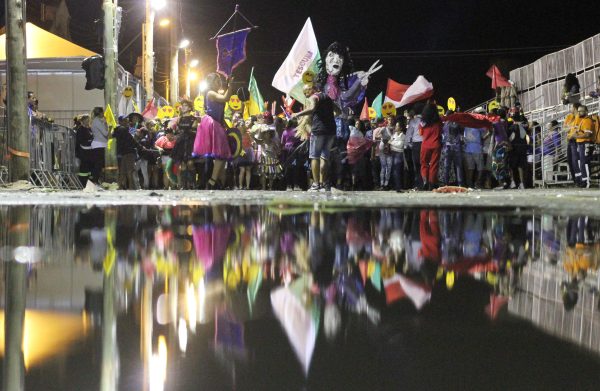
[(584, 129), (569, 123)]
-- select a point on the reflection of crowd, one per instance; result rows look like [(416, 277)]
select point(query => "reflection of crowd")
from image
[(362, 250)]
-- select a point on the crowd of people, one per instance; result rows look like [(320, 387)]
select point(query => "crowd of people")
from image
[(317, 148)]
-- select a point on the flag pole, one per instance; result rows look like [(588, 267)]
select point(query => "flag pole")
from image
[(234, 17)]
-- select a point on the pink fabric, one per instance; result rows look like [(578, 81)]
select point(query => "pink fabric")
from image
[(357, 147), (165, 143), (333, 89), (211, 140), (210, 243)]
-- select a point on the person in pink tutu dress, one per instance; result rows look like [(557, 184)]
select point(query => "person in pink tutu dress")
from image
[(211, 139)]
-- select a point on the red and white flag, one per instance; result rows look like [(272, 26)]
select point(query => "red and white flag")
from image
[(150, 110), (419, 90), (497, 79), (395, 92)]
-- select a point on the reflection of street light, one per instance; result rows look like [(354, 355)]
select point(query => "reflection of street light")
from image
[(158, 4), (203, 86), (164, 22), (184, 43)]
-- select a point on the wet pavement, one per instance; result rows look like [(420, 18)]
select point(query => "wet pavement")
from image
[(297, 297), (557, 200)]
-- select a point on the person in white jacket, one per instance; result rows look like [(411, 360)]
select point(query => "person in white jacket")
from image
[(397, 144)]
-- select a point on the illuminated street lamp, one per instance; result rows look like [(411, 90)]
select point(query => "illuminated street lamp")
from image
[(164, 22), (194, 63)]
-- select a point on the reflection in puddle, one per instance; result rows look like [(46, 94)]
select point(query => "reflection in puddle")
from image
[(249, 297)]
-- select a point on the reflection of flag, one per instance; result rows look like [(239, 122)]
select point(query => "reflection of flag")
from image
[(364, 114), (231, 51), (394, 92), (150, 110), (497, 79), (110, 117), (256, 103), (419, 90), (377, 104), (300, 66)]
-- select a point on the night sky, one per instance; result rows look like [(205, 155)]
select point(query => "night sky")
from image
[(374, 29)]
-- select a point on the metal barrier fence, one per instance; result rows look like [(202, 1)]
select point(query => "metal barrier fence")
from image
[(545, 77), (53, 162)]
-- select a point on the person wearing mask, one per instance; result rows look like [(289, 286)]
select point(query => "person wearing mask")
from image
[(100, 133), (431, 132), (414, 140)]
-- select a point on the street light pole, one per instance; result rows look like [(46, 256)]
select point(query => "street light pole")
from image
[(110, 53), (174, 41), (148, 49)]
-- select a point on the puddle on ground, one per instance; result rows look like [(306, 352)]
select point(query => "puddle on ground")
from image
[(259, 298)]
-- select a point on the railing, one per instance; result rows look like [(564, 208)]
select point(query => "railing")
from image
[(548, 171), (53, 162)]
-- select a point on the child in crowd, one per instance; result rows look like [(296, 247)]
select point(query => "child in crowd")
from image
[(165, 145), (245, 161), (290, 158)]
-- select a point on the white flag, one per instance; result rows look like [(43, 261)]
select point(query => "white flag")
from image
[(300, 66), (419, 90)]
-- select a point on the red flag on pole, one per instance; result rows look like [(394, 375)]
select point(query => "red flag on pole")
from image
[(394, 92), (150, 110), (364, 114), (497, 79)]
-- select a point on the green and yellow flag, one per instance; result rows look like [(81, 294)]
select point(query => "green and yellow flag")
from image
[(256, 103)]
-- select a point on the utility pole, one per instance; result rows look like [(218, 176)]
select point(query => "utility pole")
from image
[(148, 49), (112, 21), (174, 50), (18, 122), (110, 53)]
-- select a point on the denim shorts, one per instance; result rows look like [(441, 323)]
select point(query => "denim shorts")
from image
[(320, 146), (474, 161)]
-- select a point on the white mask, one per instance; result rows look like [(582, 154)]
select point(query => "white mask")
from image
[(333, 63)]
